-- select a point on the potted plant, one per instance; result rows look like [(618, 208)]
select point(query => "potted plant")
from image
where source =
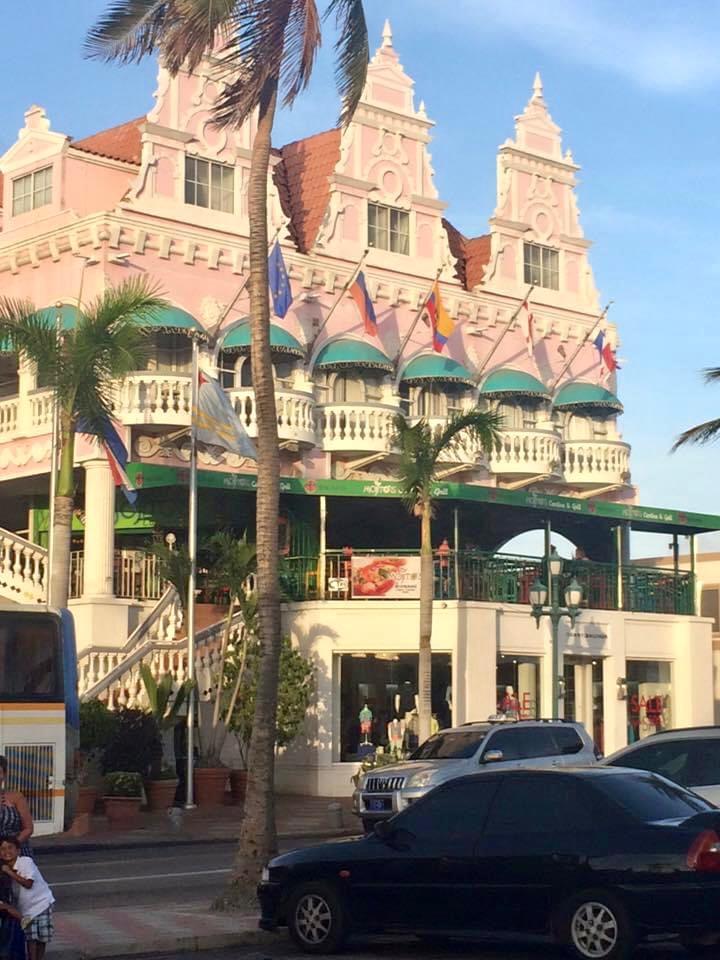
[(233, 562), (134, 746), (165, 703), (123, 796), (97, 725)]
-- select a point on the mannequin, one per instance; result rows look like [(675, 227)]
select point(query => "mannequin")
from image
[(510, 705), (396, 735), (365, 717)]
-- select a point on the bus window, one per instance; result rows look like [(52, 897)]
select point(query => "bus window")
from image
[(30, 658)]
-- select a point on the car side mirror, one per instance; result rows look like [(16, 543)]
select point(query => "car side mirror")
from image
[(492, 756)]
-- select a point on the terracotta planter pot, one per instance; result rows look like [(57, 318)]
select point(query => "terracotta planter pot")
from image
[(87, 798), (209, 784), (160, 793), (123, 813), (238, 784)]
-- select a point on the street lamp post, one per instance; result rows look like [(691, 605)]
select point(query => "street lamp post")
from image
[(571, 610)]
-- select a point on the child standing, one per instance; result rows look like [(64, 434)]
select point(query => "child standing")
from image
[(34, 897)]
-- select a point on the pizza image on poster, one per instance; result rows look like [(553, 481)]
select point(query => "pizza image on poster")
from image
[(392, 578)]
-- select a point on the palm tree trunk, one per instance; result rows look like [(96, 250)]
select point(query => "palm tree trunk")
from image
[(258, 837), (59, 576), (427, 589)]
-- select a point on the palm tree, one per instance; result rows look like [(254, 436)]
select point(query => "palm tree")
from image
[(82, 366), (421, 450), (703, 432), (269, 51)]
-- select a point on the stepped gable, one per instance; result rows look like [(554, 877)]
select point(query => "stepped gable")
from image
[(303, 181), (122, 142), (471, 253)]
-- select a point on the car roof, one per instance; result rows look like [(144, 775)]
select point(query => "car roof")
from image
[(511, 724), (583, 773), (686, 731)]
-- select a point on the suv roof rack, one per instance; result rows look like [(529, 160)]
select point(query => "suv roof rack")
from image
[(502, 719)]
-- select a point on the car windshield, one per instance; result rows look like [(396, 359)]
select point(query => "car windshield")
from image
[(650, 798), (453, 745)]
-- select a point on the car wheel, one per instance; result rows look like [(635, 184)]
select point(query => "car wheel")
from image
[(594, 925), (316, 918)]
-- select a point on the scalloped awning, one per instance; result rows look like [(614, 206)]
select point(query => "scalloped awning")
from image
[(432, 366), (507, 382), (352, 353), (174, 320), (238, 340), (68, 315), (580, 394)]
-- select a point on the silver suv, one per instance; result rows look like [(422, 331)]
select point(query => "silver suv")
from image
[(471, 748)]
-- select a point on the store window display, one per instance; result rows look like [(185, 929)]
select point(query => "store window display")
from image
[(385, 687), (649, 698), (518, 686)]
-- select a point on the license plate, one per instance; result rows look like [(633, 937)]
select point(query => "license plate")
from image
[(376, 803)]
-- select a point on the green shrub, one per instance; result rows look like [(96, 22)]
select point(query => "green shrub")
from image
[(123, 783), (134, 745), (97, 725)]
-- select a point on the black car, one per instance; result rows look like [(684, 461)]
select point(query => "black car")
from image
[(598, 858)]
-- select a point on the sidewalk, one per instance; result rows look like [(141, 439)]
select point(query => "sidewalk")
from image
[(297, 816), (130, 931)]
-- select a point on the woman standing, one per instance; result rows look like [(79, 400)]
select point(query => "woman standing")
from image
[(15, 817)]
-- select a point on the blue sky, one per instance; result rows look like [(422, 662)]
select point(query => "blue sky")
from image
[(634, 87)]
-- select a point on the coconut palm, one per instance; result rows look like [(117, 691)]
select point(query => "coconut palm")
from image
[(82, 366), (269, 52), (421, 450), (703, 432)]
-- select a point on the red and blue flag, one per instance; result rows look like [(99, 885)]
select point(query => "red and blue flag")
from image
[(359, 293)]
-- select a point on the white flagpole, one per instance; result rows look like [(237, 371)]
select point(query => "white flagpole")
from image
[(350, 280), (54, 444), (192, 579), (499, 340)]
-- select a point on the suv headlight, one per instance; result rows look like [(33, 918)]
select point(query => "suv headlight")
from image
[(422, 779)]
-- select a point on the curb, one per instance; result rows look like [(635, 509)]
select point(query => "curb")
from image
[(164, 945), (143, 844)]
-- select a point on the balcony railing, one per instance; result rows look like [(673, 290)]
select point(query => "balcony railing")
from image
[(525, 453), (295, 414), (356, 427), (154, 398), (135, 575), (591, 462), (503, 578)]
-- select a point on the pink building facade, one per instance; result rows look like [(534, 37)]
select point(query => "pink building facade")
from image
[(165, 196)]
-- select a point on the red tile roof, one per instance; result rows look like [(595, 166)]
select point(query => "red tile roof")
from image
[(116, 143), (302, 179), (472, 255)]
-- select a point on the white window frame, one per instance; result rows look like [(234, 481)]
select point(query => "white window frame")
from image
[(388, 235), (216, 192), (37, 194), (541, 265)]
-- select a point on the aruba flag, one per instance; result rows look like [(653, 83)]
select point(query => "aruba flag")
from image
[(359, 293), (440, 320)]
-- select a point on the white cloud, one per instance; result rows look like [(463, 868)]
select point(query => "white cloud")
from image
[(655, 45)]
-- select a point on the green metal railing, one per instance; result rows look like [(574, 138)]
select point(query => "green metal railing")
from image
[(503, 578)]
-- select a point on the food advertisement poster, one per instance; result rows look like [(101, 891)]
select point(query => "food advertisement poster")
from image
[(380, 578)]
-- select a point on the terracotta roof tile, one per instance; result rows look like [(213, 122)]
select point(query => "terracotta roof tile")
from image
[(471, 253), (117, 143), (302, 179)]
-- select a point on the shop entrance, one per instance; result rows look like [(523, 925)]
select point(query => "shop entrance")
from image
[(583, 701)]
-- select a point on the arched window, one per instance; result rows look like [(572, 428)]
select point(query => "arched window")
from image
[(510, 414), (170, 353), (348, 387)]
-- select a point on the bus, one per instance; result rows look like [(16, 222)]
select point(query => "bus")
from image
[(39, 710)]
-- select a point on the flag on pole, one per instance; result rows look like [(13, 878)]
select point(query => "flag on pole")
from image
[(359, 292), (116, 453), (527, 324), (440, 320), (216, 422), (279, 281), (608, 360)]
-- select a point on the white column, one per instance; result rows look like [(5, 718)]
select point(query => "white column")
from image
[(99, 529)]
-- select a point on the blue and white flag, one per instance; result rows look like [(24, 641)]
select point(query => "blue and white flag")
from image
[(216, 422), (279, 282), (116, 452)]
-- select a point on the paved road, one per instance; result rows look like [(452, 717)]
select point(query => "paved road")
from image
[(122, 878)]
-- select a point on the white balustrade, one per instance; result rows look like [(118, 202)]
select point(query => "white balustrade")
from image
[(154, 397), (9, 412), (356, 427), (294, 413), (465, 450), (41, 413), (23, 568), (595, 462), (525, 453)]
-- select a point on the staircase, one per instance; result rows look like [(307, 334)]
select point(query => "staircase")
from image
[(23, 569)]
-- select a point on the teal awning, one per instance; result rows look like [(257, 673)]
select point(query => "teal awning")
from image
[(352, 353), (238, 340), (507, 382), (589, 395), (68, 316), (433, 366), (173, 320)]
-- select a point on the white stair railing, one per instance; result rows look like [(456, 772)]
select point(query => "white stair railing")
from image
[(23, 569)]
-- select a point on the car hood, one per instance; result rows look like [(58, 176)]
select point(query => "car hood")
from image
[(332, 850)]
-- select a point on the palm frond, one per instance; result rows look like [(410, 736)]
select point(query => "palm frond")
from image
[(129, 30), (711, 374), (478, 425), (233, 561), (352, 51), (32, 333), (302, 40), (416, 466), (191, 33), (702, 433)]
